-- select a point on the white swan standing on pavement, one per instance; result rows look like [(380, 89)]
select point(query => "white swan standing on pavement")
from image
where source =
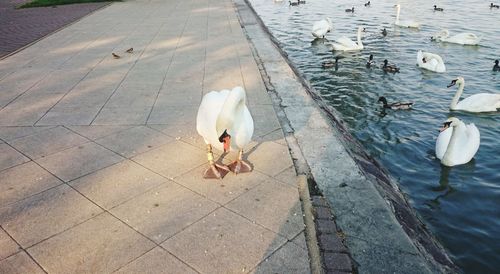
[(457, 143), (346, 44), (225, 123), (464, 38), (430, 61), (481, 102), (404, 23), (322, 27)]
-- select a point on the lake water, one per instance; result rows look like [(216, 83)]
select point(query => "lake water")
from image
[(461, 205)]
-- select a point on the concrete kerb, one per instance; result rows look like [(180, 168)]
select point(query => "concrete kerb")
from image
[(424, 244), (55, 31)]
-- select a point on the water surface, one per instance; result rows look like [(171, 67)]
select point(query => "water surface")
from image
[(461, 205)]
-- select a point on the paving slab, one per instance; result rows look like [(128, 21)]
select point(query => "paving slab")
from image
[(101, 245), (75, 162), (117, 184), (223, 241), (157, 261), (279, 261), (11, 133), (7, 245), (9, 157), (23, 181), (19, 263), (95, 132), (164, 211), (40, 216)]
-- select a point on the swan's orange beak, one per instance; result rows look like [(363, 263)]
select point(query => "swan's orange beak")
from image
[(227, 143)]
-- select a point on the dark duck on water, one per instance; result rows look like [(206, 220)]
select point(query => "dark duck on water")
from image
[(496, 67), (370, 61), (389, 68), (395, 105)]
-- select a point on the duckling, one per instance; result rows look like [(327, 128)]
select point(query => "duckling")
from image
[(494, 6), (293, 3), (438, 9), (330, 64), (395, 105), (350, 10), (496, 67), (389, 68), (370, 61), (367, 4), (384, 32), (302, 2)]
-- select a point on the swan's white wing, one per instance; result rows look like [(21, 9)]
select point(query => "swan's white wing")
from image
[(320, 28), (474, 140), (481, 102), (209, 109), (442, 142), (346, 42), (464, 39), (244, 129)]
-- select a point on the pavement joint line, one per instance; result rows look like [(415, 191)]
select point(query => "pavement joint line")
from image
[(175, 256)]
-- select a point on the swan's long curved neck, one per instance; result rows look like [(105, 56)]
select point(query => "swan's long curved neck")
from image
[(448, 155), (460, 90), (233, 105), (360, 44), (398, 9)]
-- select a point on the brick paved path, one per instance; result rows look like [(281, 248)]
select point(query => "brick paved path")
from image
[(19, 27)]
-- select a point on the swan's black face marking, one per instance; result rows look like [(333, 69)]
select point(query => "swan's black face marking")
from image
[(423, 60), (446, 125), (453, 82), (223, 135)]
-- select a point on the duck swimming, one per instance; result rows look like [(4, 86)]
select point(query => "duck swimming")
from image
[(395, 105), (370, 61), (384, 32), (293, 3), (494, 6), (389, 68), (302, 2), (367, 4), (330, 64), (438, 9), (496, 67), (350, 10)]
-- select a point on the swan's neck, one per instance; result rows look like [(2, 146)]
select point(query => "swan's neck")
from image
[(449, 154), (454, 102), (397, 14), (359, 38), (233, 106)]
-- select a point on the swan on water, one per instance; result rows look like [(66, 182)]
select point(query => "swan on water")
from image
[(457, 142), (395, 105), (464, 38), (481, 102), (322, 27), (346, 44), (430, 61), (404, 23), (225, 123)]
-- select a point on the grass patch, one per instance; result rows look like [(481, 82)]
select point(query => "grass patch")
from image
[(51, 3)]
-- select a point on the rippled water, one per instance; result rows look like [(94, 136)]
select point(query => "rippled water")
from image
[(461, 205)]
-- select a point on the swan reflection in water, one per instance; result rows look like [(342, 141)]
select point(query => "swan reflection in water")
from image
[(444, 188)]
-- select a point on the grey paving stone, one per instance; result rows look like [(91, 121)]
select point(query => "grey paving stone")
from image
[(185, 132), (300, 240), (9, 157), (288, 259), (220, 191), (331, 243), (78, 161), (273, 205), (288, 176), (164, 211), (19, 263), (48, 142), (123, 116), (172, 159), (157, 261), (101, 245), (95, 132), (7, 245), (223, 242), (116, 184), (133, 141), (11, 133), (264, 155), (40, 216), (24, 180), (173, 115), (325, 226), (265, 120), (337, 261), (69, 115)]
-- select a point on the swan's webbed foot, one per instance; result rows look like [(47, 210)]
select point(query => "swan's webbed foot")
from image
[(240, 166), (216, 171)]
